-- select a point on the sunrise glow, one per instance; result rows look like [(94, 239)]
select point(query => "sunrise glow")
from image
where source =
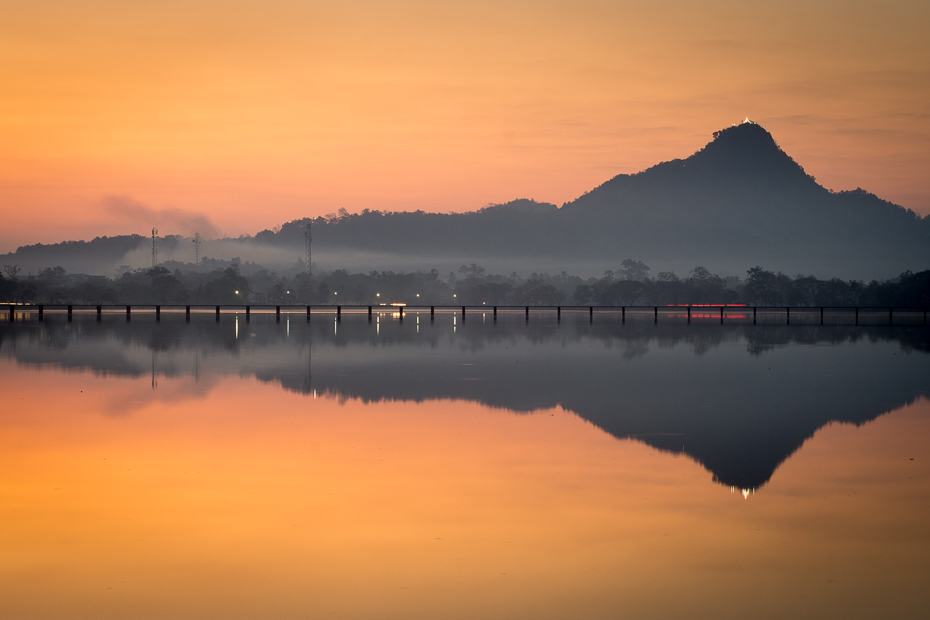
[(228, 118)]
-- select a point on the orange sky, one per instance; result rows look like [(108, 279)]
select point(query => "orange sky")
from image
[(251, 114)]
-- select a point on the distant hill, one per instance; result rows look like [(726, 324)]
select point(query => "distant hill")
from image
[(98, 256), (740, 201)]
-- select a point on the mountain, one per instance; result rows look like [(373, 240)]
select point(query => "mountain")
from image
[(742, 200), (738, 202)]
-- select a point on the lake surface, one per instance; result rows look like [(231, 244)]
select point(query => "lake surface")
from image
[(462, 469)]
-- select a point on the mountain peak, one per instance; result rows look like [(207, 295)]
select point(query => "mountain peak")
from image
[(745, 135), (746, 148)]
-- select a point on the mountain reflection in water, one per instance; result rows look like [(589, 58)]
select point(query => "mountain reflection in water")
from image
[(737, 399)]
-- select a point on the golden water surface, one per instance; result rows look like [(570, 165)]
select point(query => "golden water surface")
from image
[(237, 499)]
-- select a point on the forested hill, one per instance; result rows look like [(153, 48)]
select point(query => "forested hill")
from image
[(742, 198), (511, 229), (739, 200), (98, 256)]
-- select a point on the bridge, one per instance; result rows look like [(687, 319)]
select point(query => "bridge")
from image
[(806, 315)]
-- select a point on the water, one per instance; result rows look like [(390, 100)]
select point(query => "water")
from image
[(425, 469)]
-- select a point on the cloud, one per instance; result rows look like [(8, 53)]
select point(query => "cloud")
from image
[(168, 221)]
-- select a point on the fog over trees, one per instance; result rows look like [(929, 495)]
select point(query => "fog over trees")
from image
[(629, 285)]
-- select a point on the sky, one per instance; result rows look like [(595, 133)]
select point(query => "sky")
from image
[(226, 118)]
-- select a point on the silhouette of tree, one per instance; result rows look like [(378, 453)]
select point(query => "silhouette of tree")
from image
[(166, 286), (583, 294), (472, 271), (7, 289), (632, 270), (230, 288), (11, 271), (764, 288), (536, 292)]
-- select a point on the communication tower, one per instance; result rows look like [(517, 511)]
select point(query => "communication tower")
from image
[(154, 247), (197, 248), (308, 239)]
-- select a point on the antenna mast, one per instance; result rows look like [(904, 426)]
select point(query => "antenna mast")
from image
[(154, 247), (308, 239), (196, 248)]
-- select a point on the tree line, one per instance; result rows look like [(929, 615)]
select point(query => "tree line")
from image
[(629, 285)]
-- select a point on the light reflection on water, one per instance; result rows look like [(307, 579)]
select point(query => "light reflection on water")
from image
[(461, 469)]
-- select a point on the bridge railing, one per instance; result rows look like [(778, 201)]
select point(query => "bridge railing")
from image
[(704, 311)]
